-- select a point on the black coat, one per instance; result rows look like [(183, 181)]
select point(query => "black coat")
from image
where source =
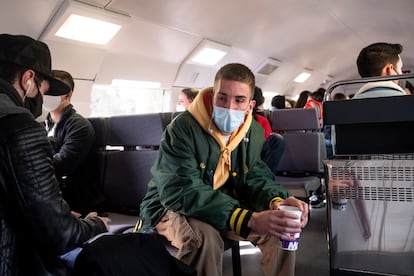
[(36, 223), (74, 157)]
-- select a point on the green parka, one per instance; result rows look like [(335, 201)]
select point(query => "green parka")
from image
[(183, 177)]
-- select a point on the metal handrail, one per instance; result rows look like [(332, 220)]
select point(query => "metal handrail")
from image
[(329, 90)]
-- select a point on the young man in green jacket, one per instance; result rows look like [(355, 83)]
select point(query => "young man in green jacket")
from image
[(209, 181)]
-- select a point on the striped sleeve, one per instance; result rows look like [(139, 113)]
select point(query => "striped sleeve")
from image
[(238, 222)]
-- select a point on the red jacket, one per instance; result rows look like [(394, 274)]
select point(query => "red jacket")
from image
[(264, 122)]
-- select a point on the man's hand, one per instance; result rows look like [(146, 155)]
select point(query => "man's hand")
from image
[(277, 222), (292, 201)]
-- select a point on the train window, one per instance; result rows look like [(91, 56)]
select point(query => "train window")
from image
[(112, 101)]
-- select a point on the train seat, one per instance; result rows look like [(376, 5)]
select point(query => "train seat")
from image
[(300, 169)]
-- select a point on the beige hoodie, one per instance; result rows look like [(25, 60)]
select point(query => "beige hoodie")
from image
[(202, 109)]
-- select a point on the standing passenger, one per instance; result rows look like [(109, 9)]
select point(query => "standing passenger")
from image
[(36, 223), (209, 181)]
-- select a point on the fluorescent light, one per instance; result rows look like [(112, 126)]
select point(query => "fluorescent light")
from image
[(135, 84), (81, 22), (208, 56), (87, 29), (208, 53), (302, 77)]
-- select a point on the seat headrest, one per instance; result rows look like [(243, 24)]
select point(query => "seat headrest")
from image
[(294, 119)]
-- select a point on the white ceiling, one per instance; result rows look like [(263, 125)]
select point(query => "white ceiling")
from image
[(322, 35)]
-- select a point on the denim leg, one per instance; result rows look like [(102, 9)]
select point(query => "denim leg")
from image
[(272, 150)]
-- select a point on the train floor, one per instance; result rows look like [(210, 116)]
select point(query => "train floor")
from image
[(312, 255)]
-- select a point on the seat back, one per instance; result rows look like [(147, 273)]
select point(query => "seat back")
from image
[(371, 125), (127, 147), (304, 142)]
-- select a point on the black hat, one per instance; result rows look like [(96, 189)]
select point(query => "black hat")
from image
[(33, 54)]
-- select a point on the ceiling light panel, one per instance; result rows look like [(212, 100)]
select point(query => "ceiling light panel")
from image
[(84, 23)]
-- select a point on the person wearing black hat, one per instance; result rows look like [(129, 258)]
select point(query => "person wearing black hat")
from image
[(36, 223), (73, 140)]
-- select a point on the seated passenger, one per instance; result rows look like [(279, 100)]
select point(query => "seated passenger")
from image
[(185, 98), (36, 224), (380, 59), (73, 141), (274, 144), (278, 102), (209, 181), (315, 101)]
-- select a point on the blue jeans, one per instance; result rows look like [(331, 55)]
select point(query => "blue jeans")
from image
[(272, 150)]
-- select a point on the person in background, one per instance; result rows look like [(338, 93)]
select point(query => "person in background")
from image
[(209, 181), (278, 102), (317, 199), (73, 141), (274, 144), (36, 224), (303, 98), (315, 101), (339, 96), (380, 59), (185, 98), (327, 129), (289, 103)]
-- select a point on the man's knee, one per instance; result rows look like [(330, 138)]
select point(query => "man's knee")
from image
[(207, 235)]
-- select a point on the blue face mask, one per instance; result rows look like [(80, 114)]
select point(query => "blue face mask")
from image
[(228, 120)]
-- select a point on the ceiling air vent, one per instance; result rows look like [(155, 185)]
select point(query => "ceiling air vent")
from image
[(267, 67)]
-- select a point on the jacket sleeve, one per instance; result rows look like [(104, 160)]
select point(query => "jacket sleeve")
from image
[(259, 185), (50, 224), (77, 140)]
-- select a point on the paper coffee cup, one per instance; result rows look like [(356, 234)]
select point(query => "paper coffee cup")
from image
[(291, 245)]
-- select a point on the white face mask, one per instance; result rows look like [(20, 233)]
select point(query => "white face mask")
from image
[(180, 108), (228, 120), (51, 103)]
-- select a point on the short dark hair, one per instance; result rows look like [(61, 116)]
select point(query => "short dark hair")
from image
[(279, 101), (10, 71), (190, 93), (339, 96), (65, 77), (258, 98), (236, 72), (372, 59)]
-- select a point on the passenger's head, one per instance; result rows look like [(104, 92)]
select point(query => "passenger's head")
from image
[(233, 93), (258, 98), (380, 59), (26, 64), (185, 98), (318, 94), (278, 102), (52, 102), (339, 96), (289, 103), (302, 99), (234, 87)]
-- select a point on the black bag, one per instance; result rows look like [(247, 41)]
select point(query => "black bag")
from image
[(128, 254)]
